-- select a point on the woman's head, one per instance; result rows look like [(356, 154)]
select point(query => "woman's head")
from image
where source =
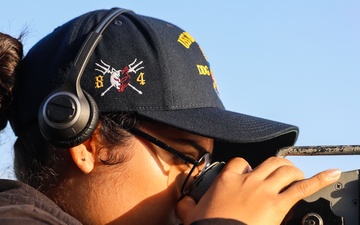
[(141, 72)]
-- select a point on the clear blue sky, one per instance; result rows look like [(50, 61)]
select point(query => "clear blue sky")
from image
[(293, 61)]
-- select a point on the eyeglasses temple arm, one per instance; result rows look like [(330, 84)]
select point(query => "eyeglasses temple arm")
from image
[(163, 145)]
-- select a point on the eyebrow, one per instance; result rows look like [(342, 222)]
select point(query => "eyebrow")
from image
[(193, 144)]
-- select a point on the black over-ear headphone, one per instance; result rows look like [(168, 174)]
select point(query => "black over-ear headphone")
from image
[(69, 115)]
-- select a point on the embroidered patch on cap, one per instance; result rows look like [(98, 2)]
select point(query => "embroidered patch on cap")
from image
[(119, 79)]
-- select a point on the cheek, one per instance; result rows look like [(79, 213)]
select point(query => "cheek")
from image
[(176, 180), (145, 190), (148, 177)]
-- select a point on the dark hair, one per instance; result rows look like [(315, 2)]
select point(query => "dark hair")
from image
[(26, 157), (114, 130), (11, 53)]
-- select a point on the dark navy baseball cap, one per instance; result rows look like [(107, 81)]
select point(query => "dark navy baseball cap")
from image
[(143, 65)]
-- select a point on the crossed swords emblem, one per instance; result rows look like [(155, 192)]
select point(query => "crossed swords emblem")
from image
[(120, 79)]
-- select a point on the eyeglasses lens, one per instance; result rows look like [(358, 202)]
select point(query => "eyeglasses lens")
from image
[(196, 172)]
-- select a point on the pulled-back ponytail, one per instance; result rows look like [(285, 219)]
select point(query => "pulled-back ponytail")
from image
[(11, 53)]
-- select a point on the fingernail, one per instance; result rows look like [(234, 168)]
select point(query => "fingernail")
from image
[(333, 173)]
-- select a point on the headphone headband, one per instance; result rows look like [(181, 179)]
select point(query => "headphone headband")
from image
[(91, 42)]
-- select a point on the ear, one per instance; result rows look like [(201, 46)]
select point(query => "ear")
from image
[(82, 157), (84, 154)]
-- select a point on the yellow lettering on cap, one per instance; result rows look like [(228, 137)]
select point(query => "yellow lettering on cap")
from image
[(141, 79), (99, 81), (203, 70), (186, 39)]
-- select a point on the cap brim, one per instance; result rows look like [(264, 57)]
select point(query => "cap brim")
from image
[(223, 125)]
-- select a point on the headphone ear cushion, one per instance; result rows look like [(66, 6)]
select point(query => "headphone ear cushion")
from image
[(92, 123), (55, 126)]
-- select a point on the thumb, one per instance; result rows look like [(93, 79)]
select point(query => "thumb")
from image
[(183, 209)]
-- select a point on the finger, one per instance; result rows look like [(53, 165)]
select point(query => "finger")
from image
[(238, 165), (283, 176), (269, 165), (307, 187), (184, 206)]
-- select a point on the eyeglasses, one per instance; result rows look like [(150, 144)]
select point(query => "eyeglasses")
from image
[(199, 165)]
